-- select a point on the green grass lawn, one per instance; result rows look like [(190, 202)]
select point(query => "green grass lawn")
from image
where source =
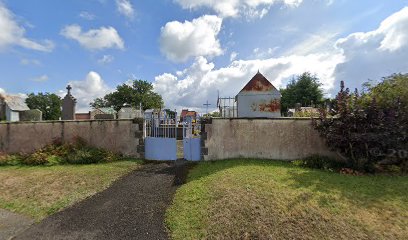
[(40, 191), (257, 199)]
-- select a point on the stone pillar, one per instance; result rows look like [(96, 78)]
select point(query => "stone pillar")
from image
[(68, 106)]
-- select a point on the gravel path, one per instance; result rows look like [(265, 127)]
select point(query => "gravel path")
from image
[(132, 208)]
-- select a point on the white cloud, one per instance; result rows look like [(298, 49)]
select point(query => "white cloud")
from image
[(233, 56), (87, 15), (235, 8), (375, 54), (180, 41), (85, 91), (125, 8), (262, 54), (4, 92), (318, 42), (42, 78), (94, 39), (198, 83), (106, 59), (13, 34), (355, 59)]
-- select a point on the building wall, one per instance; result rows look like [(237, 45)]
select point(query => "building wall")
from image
[(82, 116), (120, 136), (2, 110), (12, 116), (259, 105), (280, 139)]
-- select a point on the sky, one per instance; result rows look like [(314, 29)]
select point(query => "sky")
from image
[(193, 50)]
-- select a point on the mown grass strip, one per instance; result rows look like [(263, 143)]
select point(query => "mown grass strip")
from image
[(259, 199), (43, 190)]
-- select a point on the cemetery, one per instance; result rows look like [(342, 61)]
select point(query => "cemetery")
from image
[(257, 131), (247, 172)]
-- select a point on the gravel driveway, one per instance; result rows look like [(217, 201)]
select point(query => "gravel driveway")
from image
[(132, 208)]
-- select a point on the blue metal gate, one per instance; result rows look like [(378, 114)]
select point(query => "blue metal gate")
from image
[(160, 136), (191, 139)]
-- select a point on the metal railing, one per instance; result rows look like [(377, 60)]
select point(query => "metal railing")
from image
[(227, 107), (160, 127), (191, 128)]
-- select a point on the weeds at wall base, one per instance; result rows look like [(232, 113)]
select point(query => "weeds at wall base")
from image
[(57, 153)]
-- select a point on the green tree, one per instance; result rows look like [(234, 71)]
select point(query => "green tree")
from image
[(387, 91), (170, 112), (139, 92), (304, 89), (48, 103), (213, 114)]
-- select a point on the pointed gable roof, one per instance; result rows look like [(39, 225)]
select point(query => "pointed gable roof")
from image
[(15, 103), (258, 83)]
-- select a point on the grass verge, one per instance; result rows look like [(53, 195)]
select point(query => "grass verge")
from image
[(257, 199), (43, 190)]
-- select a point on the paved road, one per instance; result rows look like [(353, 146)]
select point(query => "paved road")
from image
[(132, 208), (12, 223)]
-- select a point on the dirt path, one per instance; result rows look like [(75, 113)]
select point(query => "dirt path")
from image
[(132, 208)]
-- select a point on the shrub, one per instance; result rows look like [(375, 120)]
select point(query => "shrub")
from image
[(79, 142), (10, 160), (78, 152), (37, 158), (320, 162), (110, 156), (367, 135), (81, 156), (3, 159), (90, 155)]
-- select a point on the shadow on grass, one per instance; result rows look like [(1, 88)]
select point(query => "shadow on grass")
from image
[(358, 189), (208, 168), (355, 188)]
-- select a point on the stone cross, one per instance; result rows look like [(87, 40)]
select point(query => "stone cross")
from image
[(69, 89)]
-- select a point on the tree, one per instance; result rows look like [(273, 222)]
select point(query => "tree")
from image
[(170, 113), (305, 89), (213, 114), (387, 91), (139, 92), (48, 103)]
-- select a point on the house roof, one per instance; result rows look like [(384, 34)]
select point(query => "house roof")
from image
[(15, 103), (186, 112), (258, 83)]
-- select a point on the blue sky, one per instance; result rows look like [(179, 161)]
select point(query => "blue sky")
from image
[(190, 49)]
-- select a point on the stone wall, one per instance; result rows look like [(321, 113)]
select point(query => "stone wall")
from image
[(280, 139), (122, 136)]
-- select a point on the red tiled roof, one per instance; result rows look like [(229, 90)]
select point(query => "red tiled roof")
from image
[(258, 83)]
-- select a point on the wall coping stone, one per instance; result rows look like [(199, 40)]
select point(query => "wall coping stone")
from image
[(280, 118), (69, 121)]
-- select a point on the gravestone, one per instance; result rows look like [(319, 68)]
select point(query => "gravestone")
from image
[(68, 106)]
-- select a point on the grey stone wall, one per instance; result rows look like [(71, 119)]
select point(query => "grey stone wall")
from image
[(122, 136), (279, 139)]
